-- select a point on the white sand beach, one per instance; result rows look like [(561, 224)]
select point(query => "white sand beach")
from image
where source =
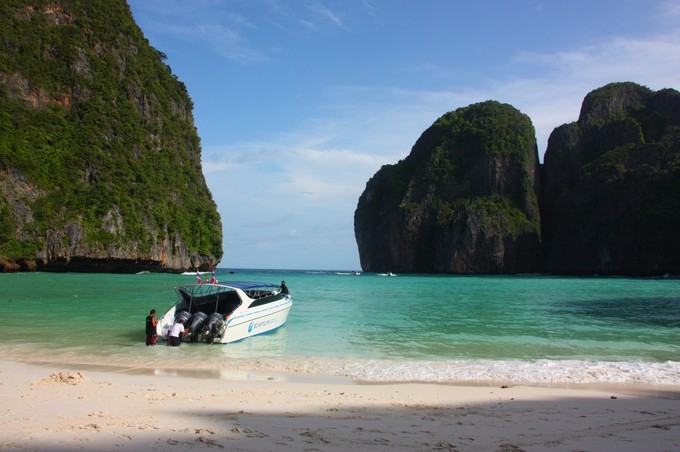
[(56, 409)]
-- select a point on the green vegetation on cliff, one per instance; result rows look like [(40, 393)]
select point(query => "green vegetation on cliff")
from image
[(96, 131)]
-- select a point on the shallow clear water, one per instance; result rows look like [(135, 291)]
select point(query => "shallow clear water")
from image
[(370, 327)]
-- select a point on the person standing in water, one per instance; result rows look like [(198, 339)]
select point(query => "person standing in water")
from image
[(151, 333), (175, 333)]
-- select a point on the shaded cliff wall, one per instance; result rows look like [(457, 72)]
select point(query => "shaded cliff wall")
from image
[(463, 201), (99, 157), (611, 185)]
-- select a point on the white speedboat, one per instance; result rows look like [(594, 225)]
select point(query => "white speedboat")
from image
[(227, 311)]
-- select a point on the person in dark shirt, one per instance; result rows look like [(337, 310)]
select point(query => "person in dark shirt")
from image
[(151, 333), (284, 288)]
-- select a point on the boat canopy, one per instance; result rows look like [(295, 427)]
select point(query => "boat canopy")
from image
[(247, 285), (205, 289)]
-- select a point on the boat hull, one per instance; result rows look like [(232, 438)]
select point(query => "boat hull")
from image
[(256, 322)]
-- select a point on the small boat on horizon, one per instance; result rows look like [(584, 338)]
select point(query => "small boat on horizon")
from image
[(386, 274), (354, 273), (226, 312)]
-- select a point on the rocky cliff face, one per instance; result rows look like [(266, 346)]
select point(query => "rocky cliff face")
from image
[(463, 201), (611, 199), (99, 157)]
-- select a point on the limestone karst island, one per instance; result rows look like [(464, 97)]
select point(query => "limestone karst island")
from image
[(472, 197), (100, 169), (100, 163)]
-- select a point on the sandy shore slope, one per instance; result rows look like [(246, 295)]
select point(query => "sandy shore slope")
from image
[(51, 408)]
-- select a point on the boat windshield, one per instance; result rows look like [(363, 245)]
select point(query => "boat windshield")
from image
[(207, 298)]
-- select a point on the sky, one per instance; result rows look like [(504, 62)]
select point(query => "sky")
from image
[(298, 103)]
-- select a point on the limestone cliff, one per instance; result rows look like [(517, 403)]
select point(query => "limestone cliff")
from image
[(99, 157), (611, 199), (463, 201)]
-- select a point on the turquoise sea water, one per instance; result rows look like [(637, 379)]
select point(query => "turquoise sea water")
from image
[(533, 329)]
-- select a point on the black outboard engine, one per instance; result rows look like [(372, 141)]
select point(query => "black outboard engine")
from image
[(195, 324), (212, 318), (182, 315), (209, 324)]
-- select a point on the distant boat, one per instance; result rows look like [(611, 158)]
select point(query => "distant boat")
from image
[(386, 274), (354, 273), (143, 272)]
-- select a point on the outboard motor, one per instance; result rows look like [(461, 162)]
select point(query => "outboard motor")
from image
[(212, 319), (195, 324), (182, 315), (214, 328)]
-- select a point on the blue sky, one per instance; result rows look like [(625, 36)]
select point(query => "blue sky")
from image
[(298, 103)]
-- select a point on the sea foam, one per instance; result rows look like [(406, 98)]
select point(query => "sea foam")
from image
[(535, 371)]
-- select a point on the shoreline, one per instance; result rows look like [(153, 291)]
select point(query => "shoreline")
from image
[(66, 407), (661, 390)]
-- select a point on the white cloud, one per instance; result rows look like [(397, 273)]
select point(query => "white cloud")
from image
[(554, 96), (230, 44), (325, 13), (326, 174), (652, 59)]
